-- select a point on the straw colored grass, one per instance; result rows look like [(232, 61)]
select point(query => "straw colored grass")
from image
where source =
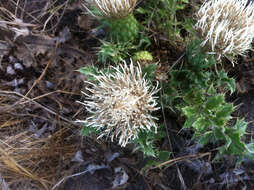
[(23, 156)]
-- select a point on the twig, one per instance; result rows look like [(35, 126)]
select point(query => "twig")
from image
[(77, 174), (61, 16), (177, 61), (44, 71), (24, 11), (44, 95), (182, 158), (43, 107), (169, 141)]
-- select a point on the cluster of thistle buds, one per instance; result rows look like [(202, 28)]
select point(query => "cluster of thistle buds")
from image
[(118, 19), (226, 26), (121, 104)]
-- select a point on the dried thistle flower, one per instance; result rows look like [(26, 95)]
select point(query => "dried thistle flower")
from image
[(226, 26), (117, 18), (115, 8), (121, 103)]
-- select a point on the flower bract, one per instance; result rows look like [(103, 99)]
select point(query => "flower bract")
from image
[(115, 8)]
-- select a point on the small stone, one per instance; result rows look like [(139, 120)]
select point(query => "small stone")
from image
[(18, 66), (10, 70)]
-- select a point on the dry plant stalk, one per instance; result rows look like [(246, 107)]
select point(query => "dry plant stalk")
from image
[(226, 26), (121, 104), (10, 22)]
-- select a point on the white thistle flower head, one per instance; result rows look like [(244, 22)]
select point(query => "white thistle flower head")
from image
[(121, 104), (226, 26), (115, 8)]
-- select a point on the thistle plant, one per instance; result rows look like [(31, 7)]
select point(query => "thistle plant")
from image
[(118, 19), (121, 103), (198, 92), (226, 26), (121, 100)]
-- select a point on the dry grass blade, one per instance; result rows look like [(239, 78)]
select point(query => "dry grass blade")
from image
[(10, 22), (182, 158), (13, 165), (25, 157), (44, 71), (10, 123), (11, 107)]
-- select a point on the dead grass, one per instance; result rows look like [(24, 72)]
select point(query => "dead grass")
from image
[(23, 156), (43, 15)]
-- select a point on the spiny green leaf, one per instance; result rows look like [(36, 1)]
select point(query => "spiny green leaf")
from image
[(164, 155), (141, 10), (230, 84), (145, 140), (219, 133), (236, 147), (149, 150), (214, 101), (219, 121), (250, 149), (86, 131), (225, 111), (188, 123), (240, 127), (202, 124), (190, 111), (224, 80), (206, 138), (211, 90), (194, 96), (89, 71), (149, 71)]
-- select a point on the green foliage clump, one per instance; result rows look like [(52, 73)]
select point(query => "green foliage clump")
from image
[(123, 39), (199, 93), (114, 52), (163, 14), (146, 142)]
